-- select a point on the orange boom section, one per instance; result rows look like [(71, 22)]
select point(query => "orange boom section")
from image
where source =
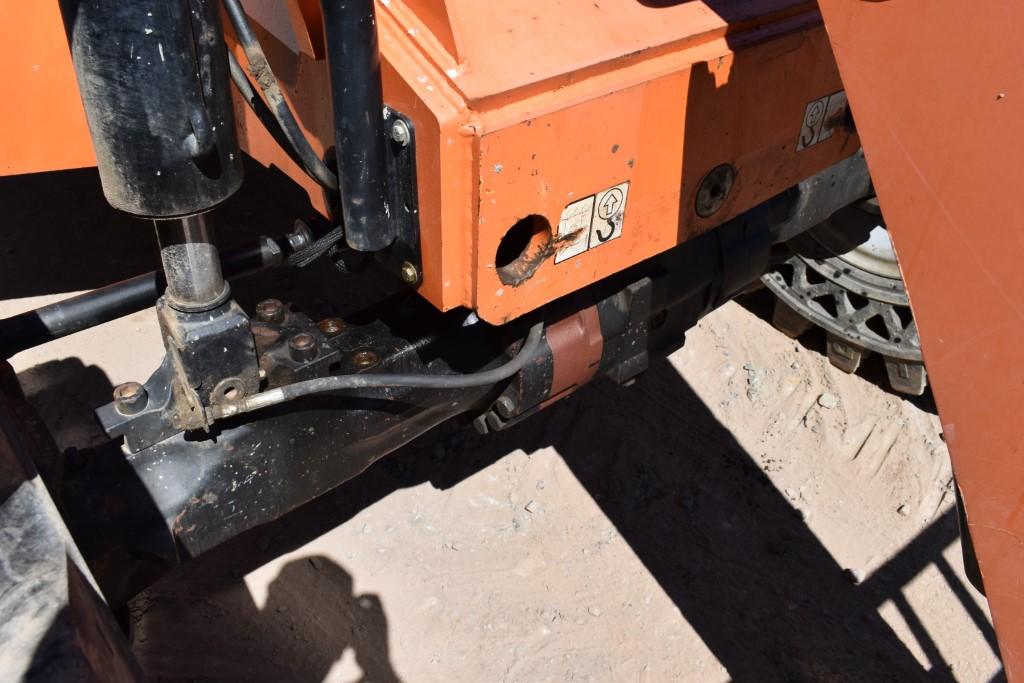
[(938, 91), (558, 143)]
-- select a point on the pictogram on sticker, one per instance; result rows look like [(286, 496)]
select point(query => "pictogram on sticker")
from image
[(821, 118), (591, 221)]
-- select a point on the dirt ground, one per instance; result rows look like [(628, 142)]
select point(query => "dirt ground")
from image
[(743, 512)]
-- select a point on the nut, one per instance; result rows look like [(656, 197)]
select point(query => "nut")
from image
[(331, 326), (506, 406), (410, 274), (302, 347), (300, 237), (400, 132), (130, 398), (365, 359), (270, 311)]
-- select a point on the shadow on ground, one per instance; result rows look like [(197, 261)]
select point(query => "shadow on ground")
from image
[(737, 559)]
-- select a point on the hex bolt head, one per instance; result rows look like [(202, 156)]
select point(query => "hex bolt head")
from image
[(300, 237), (302, 347), (410, 273), (506, 407), (331, 326), (270, 311), (400, 132), (130, 398), (365, 359)]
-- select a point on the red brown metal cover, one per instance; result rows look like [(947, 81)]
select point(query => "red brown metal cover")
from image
[(937, 92), (576, 346)]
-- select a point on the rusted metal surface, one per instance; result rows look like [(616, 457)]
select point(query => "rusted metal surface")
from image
[(937, 92)]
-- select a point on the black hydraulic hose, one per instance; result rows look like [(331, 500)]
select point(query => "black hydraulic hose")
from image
[(261, 72), (262, 111), (320, 385), (45, 324)]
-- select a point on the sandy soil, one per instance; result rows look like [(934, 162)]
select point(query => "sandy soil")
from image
[(742, 512)]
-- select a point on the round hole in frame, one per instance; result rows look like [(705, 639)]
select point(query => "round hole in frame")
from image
[(523, 248)]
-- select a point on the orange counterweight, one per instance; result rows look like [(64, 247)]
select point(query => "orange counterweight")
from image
[(557, 142)]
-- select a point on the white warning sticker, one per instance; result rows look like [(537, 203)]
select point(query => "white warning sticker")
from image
[(591, 221), (821, 119)]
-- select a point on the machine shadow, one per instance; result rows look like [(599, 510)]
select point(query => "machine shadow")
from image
[(209, 593), (102, 245), (748, 575)]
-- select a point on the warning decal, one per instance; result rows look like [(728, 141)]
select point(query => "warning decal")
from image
[(591, 221), (821, 119)]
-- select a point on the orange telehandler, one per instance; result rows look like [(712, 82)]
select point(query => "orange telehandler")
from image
[(528, 195)]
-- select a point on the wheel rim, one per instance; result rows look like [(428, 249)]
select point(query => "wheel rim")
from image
[(844, 277)]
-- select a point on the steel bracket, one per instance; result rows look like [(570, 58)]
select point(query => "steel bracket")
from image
[(403, 257)]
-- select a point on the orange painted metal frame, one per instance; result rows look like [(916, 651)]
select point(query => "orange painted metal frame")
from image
[(524, 106), (42, 123), (937, 90)]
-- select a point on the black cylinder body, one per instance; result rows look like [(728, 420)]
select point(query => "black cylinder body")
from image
[(153, 76), (350, 30)]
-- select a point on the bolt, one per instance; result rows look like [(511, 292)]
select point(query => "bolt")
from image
[(410, 274), (331, 326), (130, 398), (302, 347), (365, 359), (506, 406), (300, 236), (400, 132), (270, 311)]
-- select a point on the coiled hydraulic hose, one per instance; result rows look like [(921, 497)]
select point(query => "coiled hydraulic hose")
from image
[(320, 385), (261, 72)]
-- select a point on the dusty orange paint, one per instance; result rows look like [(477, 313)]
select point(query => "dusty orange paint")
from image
[(568, 99), (42, 124), (938, 95)]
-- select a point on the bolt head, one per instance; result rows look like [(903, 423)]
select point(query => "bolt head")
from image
[(365, 359), (302, 347), (270, 311), (400, 132), (300, 236), (130, 398), (410, 273), (331, 326), (506, 407)]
